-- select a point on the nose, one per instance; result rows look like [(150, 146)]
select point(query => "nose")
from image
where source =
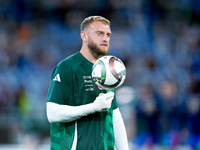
[(106, 38)]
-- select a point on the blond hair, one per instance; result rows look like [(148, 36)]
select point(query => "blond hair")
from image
[(89, 20)]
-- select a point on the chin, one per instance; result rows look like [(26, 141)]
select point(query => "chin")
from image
[(104, 51)]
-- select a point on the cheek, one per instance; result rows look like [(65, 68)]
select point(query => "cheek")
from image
[(95, 40)]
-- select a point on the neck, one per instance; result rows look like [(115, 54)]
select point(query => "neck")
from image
[(88, 55)]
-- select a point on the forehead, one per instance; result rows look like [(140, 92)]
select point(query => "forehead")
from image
[(100, 26)]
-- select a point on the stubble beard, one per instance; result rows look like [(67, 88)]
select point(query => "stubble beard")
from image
[(96, 50)]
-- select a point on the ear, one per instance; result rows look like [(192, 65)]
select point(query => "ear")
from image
[(84, 36)]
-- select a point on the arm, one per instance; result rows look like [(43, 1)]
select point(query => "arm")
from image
[(66, 113), (121, 142)]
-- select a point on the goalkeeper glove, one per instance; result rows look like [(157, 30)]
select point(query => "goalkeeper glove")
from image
[(103, 101)]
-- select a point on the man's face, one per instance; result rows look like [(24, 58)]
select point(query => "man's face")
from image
[(99, 38)]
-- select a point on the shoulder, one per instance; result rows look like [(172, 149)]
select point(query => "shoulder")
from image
[(65, 69), (69, 63), (70, 60)]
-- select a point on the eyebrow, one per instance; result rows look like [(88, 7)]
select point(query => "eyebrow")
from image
[(104, 32)]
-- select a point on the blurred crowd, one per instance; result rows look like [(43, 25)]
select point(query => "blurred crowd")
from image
[(159, 42)]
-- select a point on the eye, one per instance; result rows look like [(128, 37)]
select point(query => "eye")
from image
[(108, 35), (100, 33)]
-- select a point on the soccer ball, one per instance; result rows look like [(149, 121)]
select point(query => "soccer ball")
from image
[(108, 72)]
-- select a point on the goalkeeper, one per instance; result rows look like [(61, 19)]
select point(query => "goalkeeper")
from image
[(81, 116)]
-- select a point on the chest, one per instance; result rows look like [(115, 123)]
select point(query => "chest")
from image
[(85, 90)]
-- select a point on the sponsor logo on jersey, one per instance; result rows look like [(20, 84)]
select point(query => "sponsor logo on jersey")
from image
[(88, 83), (87, 77), (89, 89)]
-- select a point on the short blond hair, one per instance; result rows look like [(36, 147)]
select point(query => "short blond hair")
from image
[(89, 20)]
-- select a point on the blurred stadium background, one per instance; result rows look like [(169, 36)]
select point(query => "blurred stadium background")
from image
[(159, 42)]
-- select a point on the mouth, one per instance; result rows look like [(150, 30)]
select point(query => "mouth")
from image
[(104, 45)]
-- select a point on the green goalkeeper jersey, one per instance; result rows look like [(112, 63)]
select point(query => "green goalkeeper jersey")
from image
[(72, 84)]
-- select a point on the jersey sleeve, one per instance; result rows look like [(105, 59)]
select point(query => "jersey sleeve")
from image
[(60, 86)]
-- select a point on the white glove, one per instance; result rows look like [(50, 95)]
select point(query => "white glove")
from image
[(103, 101)]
